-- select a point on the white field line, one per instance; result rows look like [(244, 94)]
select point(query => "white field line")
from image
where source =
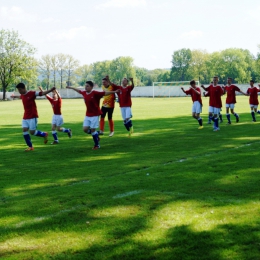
[(126, 194)]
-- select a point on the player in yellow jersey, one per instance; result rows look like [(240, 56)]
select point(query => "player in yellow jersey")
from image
[(107, 108)]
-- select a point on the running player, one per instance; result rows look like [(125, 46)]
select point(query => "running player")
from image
[(253, 99), (215, 103), (125, 102), (195, 93), (30, 117), (231, 89), (92, 99), (107, 108), (57, 119)]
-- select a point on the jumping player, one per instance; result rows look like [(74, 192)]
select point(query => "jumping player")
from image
[(92, 99), (30, 118), (107, 108), (195, 93), (231, 89), (215, 104), (57, 119), (125, 102), (253, 99)]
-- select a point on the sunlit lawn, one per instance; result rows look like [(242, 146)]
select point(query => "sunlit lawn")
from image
[(170, 191)]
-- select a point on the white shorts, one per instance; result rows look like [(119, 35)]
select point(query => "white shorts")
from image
[(214, 110), (196, 107), (253, 106), (91, 121), (57, 120), (31, 124), (126, 112), (231, 106)]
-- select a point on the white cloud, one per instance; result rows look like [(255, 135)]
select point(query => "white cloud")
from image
[(254, 14), (81, 32), (15, 13), (50, 20), (191, 35), (122, 4)]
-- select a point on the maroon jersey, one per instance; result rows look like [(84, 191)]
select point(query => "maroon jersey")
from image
[(124, 95), (253, 99), (231, 94), (92, 100), (194, 96), (30, 109), (215, 93), (56, 105)]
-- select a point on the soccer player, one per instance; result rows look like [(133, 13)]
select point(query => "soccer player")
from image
[(57, 119), (253, 99), (215, 104), (195, 93), (107, 108), (92, 99), (125, 102), (29, 122), (231, 89)]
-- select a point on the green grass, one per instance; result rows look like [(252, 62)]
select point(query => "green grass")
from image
[(169, 192)]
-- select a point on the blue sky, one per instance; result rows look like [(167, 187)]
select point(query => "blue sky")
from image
[(147, 30)]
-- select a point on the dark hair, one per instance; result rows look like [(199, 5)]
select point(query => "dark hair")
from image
[(215, 77), (126, 79), (90, 83), (105, 79), (192, 82), (230, 78), (20, 85), (252, 81)]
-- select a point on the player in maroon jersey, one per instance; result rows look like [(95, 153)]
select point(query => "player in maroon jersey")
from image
[(57, 118), (125, 102), (92, 99), (30, 118), (215, 103), (231, 89), (253, 99), (195, 93)]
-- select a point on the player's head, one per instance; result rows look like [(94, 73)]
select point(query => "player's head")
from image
[(252, 82), (89, 85), (193, 83), (21, 88), (124, 82), (215, 80), (229, 80), (54, 94), (105, 82)]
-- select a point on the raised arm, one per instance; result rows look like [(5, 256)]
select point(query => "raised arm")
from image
[(14, 96), (41, 89), (111, 92), (75, 89), (195, 90), (183, 90), (202, 86), (132, 81), (48, 91)]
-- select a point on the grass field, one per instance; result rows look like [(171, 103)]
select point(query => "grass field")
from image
[(170, 191)]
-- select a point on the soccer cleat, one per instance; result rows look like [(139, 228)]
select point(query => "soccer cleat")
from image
[(237, 119), (201, 127), (216, 129), (131, 129), (96, 147), (253, 120), (229, 123), (29, 149), (55, 142), (69, 133), (45, 138), (111, 134)]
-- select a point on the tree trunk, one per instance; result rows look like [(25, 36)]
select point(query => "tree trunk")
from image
[(4, 91)]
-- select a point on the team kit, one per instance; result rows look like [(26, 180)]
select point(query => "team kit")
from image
[(109, 91)]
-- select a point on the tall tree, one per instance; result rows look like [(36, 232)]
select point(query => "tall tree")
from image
[(45, 68), (100, 70), (71, 65), (84, 73), (61, 58), (54, 67), (16, 59), (180, 64)]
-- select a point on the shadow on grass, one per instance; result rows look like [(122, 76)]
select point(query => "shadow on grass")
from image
[(166, 164)]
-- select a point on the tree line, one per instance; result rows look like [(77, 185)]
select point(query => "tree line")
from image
[(18, 64)]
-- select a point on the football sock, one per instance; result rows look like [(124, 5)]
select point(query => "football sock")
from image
[(55, 136), (258, 111), (64, 130), (236, 115), (126, 126), (95, 138), (220, 117), (102, 124), (39, 133), (210, 118), (216, 122), (200, 121), (253, 115), (228, 118), (27, 139), (129, 123), (111, 125)]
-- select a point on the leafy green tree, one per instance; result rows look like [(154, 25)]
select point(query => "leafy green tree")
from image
[(100, 70), (181, 60), (16, 60), (71, 65), (45, 66), (84, 73)]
